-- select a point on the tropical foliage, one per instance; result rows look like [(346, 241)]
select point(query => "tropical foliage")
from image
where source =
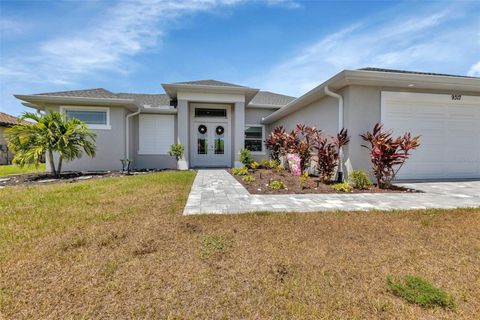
[(329, 154), (302, 141), (177, 150), (388, 154), (246, 157), (276, 142), (50, 134), (359, 180)]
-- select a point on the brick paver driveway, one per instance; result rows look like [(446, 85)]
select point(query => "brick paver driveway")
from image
[(216, 191)]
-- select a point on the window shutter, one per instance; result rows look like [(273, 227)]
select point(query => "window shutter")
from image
[(155, 133)]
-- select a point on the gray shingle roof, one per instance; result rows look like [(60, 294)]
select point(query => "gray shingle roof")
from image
[(270, 98), (413, 72), (154, 100), (213, 83), (147, 99), (88, 93), (141, 98)]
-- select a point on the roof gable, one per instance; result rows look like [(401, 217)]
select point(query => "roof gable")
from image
[(212, 83), (271, 98)]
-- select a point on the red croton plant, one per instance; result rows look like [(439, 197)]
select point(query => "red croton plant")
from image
[(388, 154), (275, 142), (329, 154), (301, 141)]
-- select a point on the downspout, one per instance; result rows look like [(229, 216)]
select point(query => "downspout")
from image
[(340, 127), (127, 136)]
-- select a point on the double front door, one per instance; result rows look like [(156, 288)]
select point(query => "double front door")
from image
[(210, 144)]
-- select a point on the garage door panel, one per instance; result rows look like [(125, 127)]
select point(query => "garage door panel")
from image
[(450, 133)]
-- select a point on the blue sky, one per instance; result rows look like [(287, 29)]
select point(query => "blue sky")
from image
[(282, 46)]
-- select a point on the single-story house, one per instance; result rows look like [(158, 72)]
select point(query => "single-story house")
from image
[(6, 121), (214, 120)]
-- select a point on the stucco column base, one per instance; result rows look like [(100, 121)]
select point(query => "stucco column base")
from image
[(238, 164), (182, 165)]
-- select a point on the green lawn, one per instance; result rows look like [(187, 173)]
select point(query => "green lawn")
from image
[(120, 247), (6, 170)]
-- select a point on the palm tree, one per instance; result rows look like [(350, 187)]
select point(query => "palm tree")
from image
[(48, 134)]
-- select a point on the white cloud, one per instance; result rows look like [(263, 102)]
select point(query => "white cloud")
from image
[(424, 42), (129, 28), (10, 27), (107, 44), (475, 70)]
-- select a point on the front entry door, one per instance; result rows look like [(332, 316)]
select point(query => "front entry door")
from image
[(211, 144)]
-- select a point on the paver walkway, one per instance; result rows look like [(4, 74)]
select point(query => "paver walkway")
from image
[(216, 191)]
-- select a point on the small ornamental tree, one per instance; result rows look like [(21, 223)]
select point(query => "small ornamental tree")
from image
[(275, 143), (329, 154), (388, 154), (50, 133), (327, 159)]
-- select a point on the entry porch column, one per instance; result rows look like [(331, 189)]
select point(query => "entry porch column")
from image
[(183, 133), (239, 132)]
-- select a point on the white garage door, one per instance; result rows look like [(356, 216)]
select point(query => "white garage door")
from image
[(450, 130)]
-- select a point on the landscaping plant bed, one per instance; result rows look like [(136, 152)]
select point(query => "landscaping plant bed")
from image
[(263, 178), (46, 178)]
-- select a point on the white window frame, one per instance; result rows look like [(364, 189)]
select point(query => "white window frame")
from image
[(263, 137), (106, 126)]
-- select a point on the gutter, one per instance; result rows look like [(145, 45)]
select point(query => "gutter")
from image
[(340, 127), (127, 130), (340, 105)]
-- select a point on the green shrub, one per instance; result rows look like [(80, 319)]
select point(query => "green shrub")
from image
[(419, 291), (303, 179), (344, 187), (177, 150), (240, 171), (360, 180), (276, 185), (246, 157), (272, 164), (248, 178), (279, 168), (254, 165), (264, 164)]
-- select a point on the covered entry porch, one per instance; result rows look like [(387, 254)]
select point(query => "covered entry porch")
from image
[(210, 123)]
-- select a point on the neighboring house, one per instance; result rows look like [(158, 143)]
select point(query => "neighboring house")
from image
[(6, 121), (214, 120)]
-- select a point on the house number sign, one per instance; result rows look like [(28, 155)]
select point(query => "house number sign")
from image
[(456, 97)]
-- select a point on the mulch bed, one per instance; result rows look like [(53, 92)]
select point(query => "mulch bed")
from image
[(263, 177), (71, 177)]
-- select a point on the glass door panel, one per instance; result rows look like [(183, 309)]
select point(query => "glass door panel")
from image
[(219, 140), (202, 139)]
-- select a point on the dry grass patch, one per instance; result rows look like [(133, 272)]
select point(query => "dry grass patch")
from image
[(120, 248)]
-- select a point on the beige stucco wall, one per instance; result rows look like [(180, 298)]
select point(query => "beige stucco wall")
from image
[(110, 146), (322, 114)]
